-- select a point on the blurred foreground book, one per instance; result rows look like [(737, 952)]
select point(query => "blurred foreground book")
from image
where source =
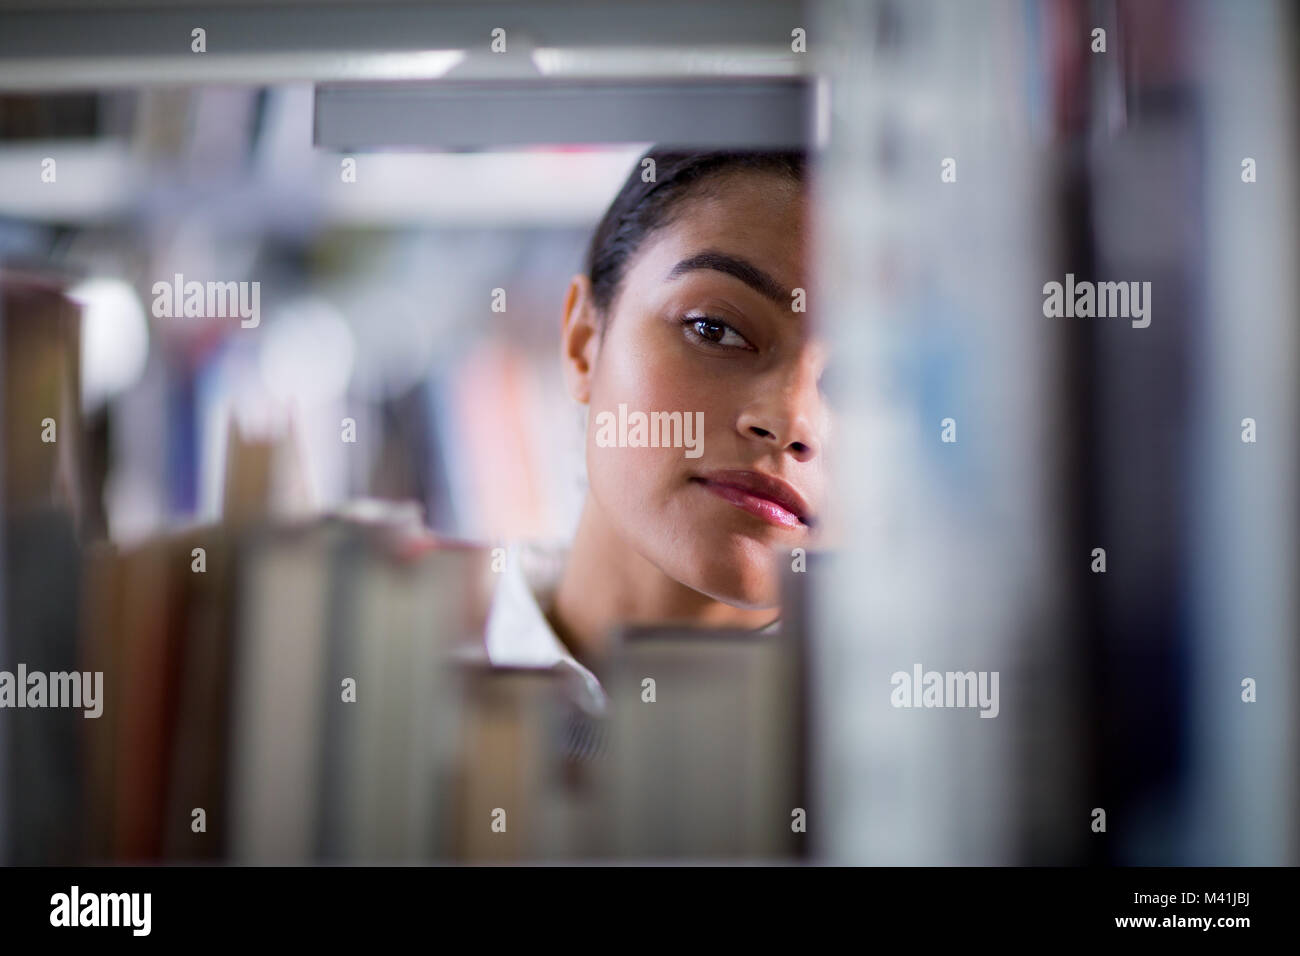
[(43, 503), (317, 691)]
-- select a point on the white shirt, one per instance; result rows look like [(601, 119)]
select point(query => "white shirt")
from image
[(518, 634)]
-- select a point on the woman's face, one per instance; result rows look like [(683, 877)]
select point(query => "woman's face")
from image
[(708, 323)]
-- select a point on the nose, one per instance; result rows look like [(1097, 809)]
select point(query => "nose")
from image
[(787, 410)]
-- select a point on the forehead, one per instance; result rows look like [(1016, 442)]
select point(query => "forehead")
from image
[(761, 217)]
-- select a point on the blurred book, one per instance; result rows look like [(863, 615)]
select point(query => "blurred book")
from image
[(40, 350), (401, 615), (507, 769), (228, 730), (706, 745), (42, 780), (264, 477), (279, 693), (199, 756)]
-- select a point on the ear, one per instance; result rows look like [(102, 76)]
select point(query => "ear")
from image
[(580, 339)]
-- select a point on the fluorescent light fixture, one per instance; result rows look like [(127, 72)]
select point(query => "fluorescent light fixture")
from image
[(665, 62), (496, 188), (46, 74), (96, 179)]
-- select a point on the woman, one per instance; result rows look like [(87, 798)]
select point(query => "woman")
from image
[(692, 302)]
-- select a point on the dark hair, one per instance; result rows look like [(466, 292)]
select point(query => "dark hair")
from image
[(642, 207)]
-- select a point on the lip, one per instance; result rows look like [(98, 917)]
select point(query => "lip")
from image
[(763, 496)]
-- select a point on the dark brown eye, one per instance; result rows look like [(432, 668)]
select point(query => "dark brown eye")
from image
[(714, 334), (710, 330)]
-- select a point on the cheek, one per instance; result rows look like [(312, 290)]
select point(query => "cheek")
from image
[(637, 366), (648, 376), (652, 372)]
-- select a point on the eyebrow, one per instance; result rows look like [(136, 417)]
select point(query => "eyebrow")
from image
[(745, 271)]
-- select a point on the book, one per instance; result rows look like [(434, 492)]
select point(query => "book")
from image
[(143, 673), (198, 759), (506, 765), (706, 744), (278, 693), (43, 784)]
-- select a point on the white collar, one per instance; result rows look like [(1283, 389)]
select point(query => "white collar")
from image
[(518, 634)]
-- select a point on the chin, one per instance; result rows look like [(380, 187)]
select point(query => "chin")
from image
[(743, 577)]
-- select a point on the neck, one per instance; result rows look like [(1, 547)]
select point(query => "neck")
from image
[(606, 583)]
